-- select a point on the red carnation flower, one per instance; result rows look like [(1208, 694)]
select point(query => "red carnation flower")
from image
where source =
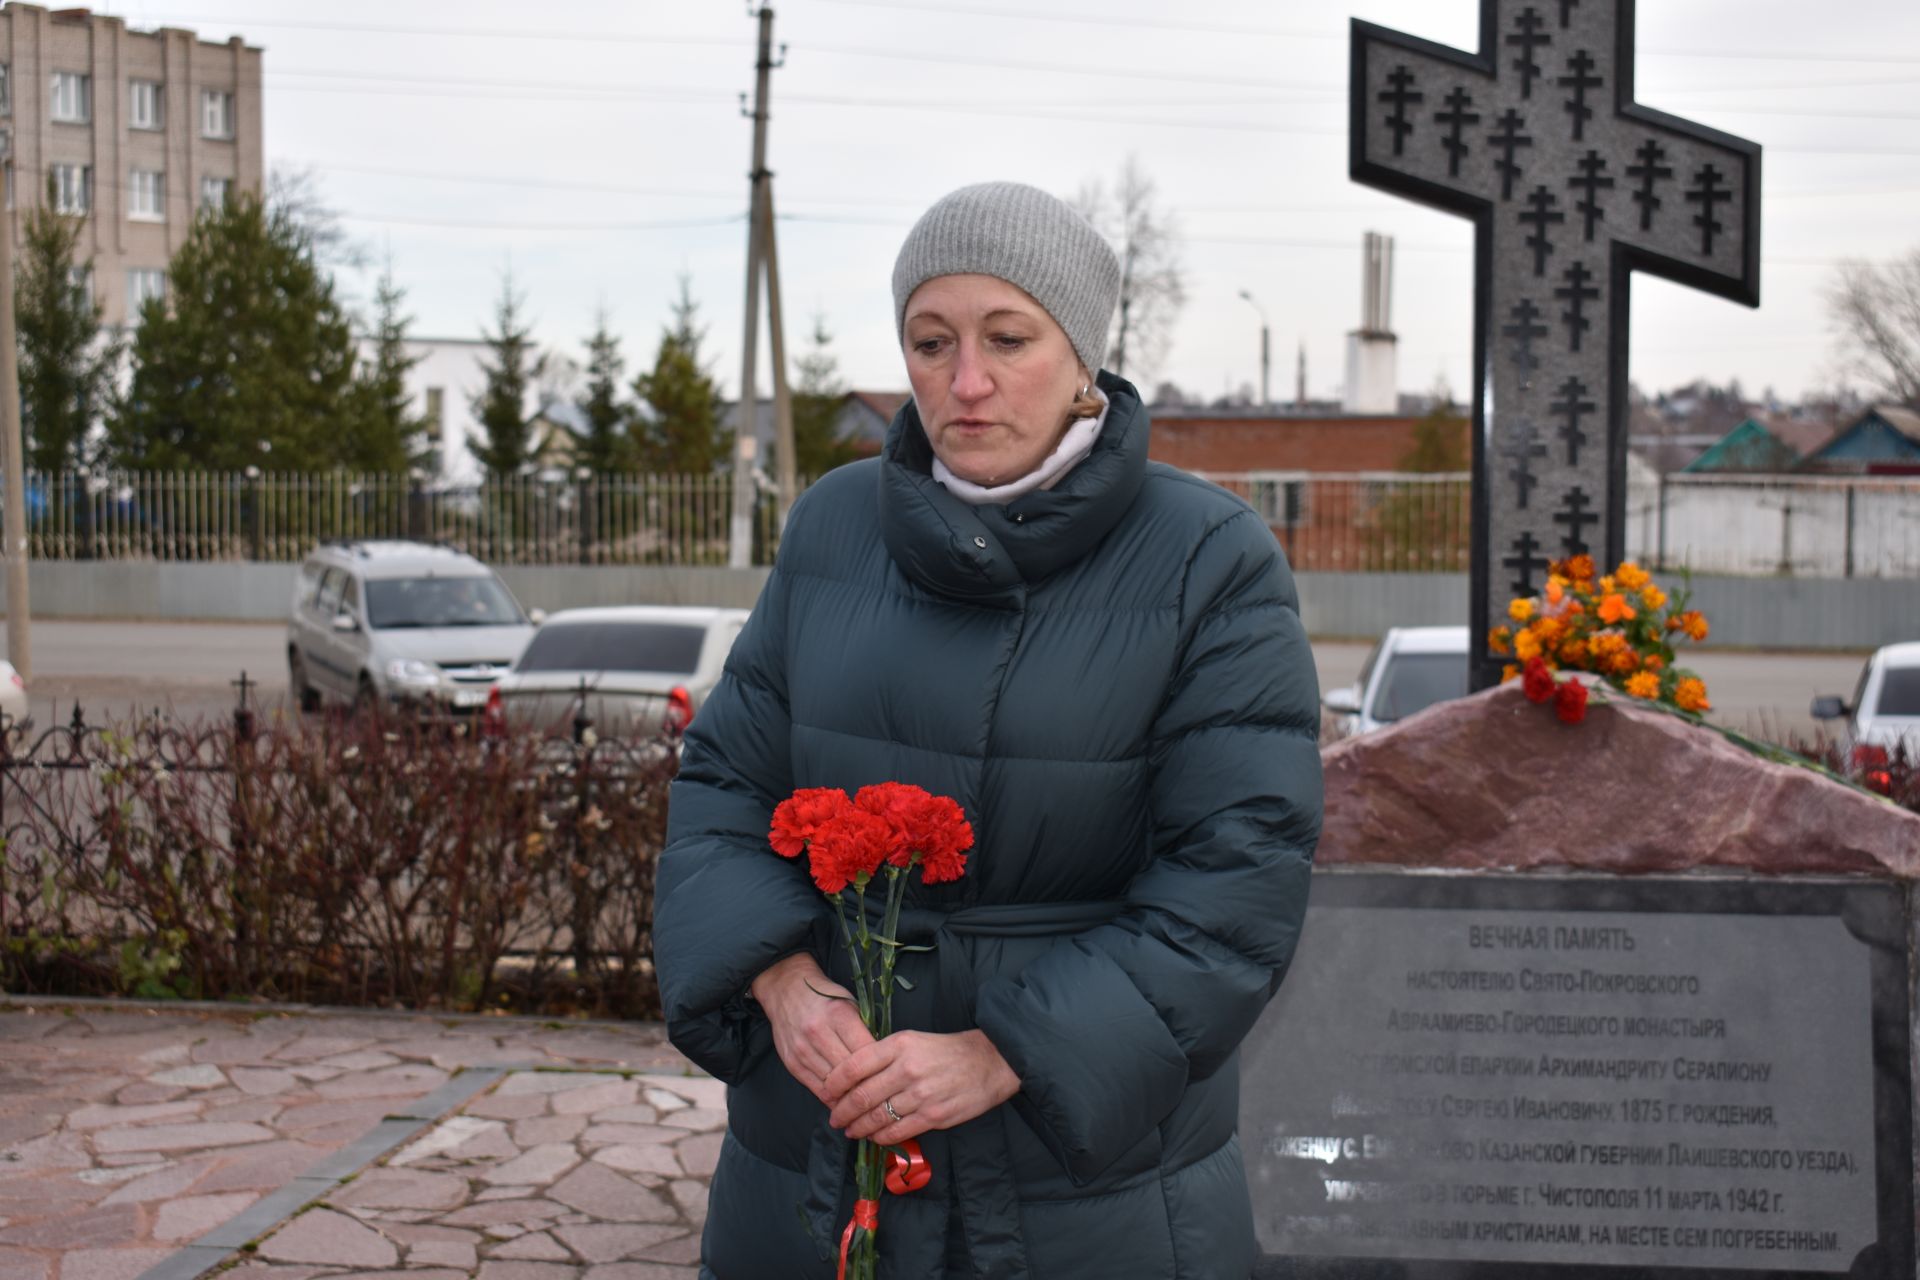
[(1570, 701), (932, 827), (1536, 681), (849, 849), (797, 818)]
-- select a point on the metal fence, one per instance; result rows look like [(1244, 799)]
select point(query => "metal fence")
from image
[(1362, 522), (607, 519)]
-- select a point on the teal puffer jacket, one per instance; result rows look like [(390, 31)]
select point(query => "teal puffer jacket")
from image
[(1111, 677)]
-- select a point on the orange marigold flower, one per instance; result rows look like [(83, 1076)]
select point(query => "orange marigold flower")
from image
[(1653, 597), (1691, 695), (1644, 685), (1500, 640), (1580, 568), (1548, 630), (1606, 586), (1608, 643), (1653, 662), (1624, 662), (1695, 623), (1526, 645), (1556, 589), (1508, 672), (1614, 608), (1521, 610), (1631, 575), (1573, 652)]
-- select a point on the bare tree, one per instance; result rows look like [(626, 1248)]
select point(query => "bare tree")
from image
[(1146, 236), (294, 200), (1876, 308)]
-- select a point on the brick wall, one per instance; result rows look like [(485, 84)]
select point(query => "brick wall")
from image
[(1281, 444)]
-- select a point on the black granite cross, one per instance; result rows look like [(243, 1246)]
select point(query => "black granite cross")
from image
[(1576, 517), (1590, 182), (1577, 292), (1525, 561), (1553, 190), (1573, 406), (1522, 447), (1580, 78), (1456, 117)]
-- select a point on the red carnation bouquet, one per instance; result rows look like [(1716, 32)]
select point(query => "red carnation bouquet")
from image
[(893, 828)]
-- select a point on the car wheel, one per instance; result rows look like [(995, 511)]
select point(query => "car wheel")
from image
[(305, 696)]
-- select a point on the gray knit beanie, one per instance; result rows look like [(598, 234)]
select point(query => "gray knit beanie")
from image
[(1026, 237)]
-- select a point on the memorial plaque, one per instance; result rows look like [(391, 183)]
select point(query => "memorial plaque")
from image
[(1667, 1075)]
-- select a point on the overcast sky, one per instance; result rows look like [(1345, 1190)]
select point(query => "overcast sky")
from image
[(603, 153)]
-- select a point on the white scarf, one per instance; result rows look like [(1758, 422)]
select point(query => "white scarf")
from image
[(1075, 445)]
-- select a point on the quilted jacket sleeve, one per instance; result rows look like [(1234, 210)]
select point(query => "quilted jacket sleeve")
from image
[(725, 905), (1106, 1029)]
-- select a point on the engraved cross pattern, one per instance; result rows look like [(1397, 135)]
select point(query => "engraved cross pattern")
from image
[(1572, 186)]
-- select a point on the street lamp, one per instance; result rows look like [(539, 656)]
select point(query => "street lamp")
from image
[(1266, 399)]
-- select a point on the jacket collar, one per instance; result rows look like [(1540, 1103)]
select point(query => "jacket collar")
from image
[(992, 552)]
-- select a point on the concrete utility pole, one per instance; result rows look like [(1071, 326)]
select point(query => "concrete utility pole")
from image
[(759, 258), (777, 332), (13, 453), (1266, 359)]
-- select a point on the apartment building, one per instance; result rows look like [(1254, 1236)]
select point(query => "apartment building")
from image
[(136, 129)]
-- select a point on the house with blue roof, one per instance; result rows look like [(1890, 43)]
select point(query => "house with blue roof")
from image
[(1883, 441)]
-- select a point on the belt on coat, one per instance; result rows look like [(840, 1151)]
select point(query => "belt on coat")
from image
[(978, 1160)]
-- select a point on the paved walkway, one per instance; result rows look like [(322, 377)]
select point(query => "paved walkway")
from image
[(147, 1141)]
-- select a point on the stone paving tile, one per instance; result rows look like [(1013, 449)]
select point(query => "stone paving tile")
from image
[(126, 1132)]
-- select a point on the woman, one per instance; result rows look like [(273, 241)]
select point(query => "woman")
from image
[(1101, 659)]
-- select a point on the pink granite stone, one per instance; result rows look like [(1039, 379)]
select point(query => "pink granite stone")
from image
[(402, 1189), (327, 1237), (194, 1216), (107, 1226), (443, 1253), (580, 1102), (180, 1137), (503, 1212), (162, 1184), (527, 1271), (700, 1153), (698, 1119), (262, 1081), (641, 1271), (17, 1264), (1483, 783), (510, 1107), (544, 1129), (629, 1135), (652, 1158), (109, 1264), (536, 1167), (98, 1117), (607, 1242), (535, 1246), (684, 1250), (599, 1191)]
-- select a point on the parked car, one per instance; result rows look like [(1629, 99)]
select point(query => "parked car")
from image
[(13, 694), (630, 669), (1409, 670), (1885, 712), (380, 623)]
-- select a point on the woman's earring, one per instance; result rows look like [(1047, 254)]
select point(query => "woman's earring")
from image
[(1083, 389)]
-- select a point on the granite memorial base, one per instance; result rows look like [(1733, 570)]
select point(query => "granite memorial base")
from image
[(1672, 1043)]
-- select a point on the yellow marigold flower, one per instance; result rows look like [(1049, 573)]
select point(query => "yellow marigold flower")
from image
[(1520, 610), (1526, 645), (1653, 597), (1500, 640), (1508, 672), (1691, 695), (1606, 586), (1644, 685), (1615, 609), (1549, 630), (1631, 575)]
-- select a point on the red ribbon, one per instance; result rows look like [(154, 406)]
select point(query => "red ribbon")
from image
[(907, 1171), (866, 1213)]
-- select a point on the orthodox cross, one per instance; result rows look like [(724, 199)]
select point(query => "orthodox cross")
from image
[(1572, 186)]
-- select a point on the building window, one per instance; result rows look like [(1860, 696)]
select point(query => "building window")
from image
[(143, 106), (1281, 503), (436, 412), (147, 196), (216, 114), (214, 192), (144, 283), (73, 189), (72, 97), (80, 280)]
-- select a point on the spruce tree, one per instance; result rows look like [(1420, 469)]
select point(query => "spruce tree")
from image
[(608, 446), (386, 436), (684, 433), (818, 445), (66, 367), (247, 360), (507, 445)]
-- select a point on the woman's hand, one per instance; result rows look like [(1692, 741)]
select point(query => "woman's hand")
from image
[(933, 1082), (812, 1033)]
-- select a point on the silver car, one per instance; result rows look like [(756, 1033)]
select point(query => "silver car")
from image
[(629, 670), (385, 622)]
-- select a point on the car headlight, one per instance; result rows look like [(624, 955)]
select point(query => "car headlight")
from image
[(412, 671)]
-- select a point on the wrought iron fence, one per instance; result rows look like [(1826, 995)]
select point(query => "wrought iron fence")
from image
[(333, 860), (1361, 522), (601, 519)]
